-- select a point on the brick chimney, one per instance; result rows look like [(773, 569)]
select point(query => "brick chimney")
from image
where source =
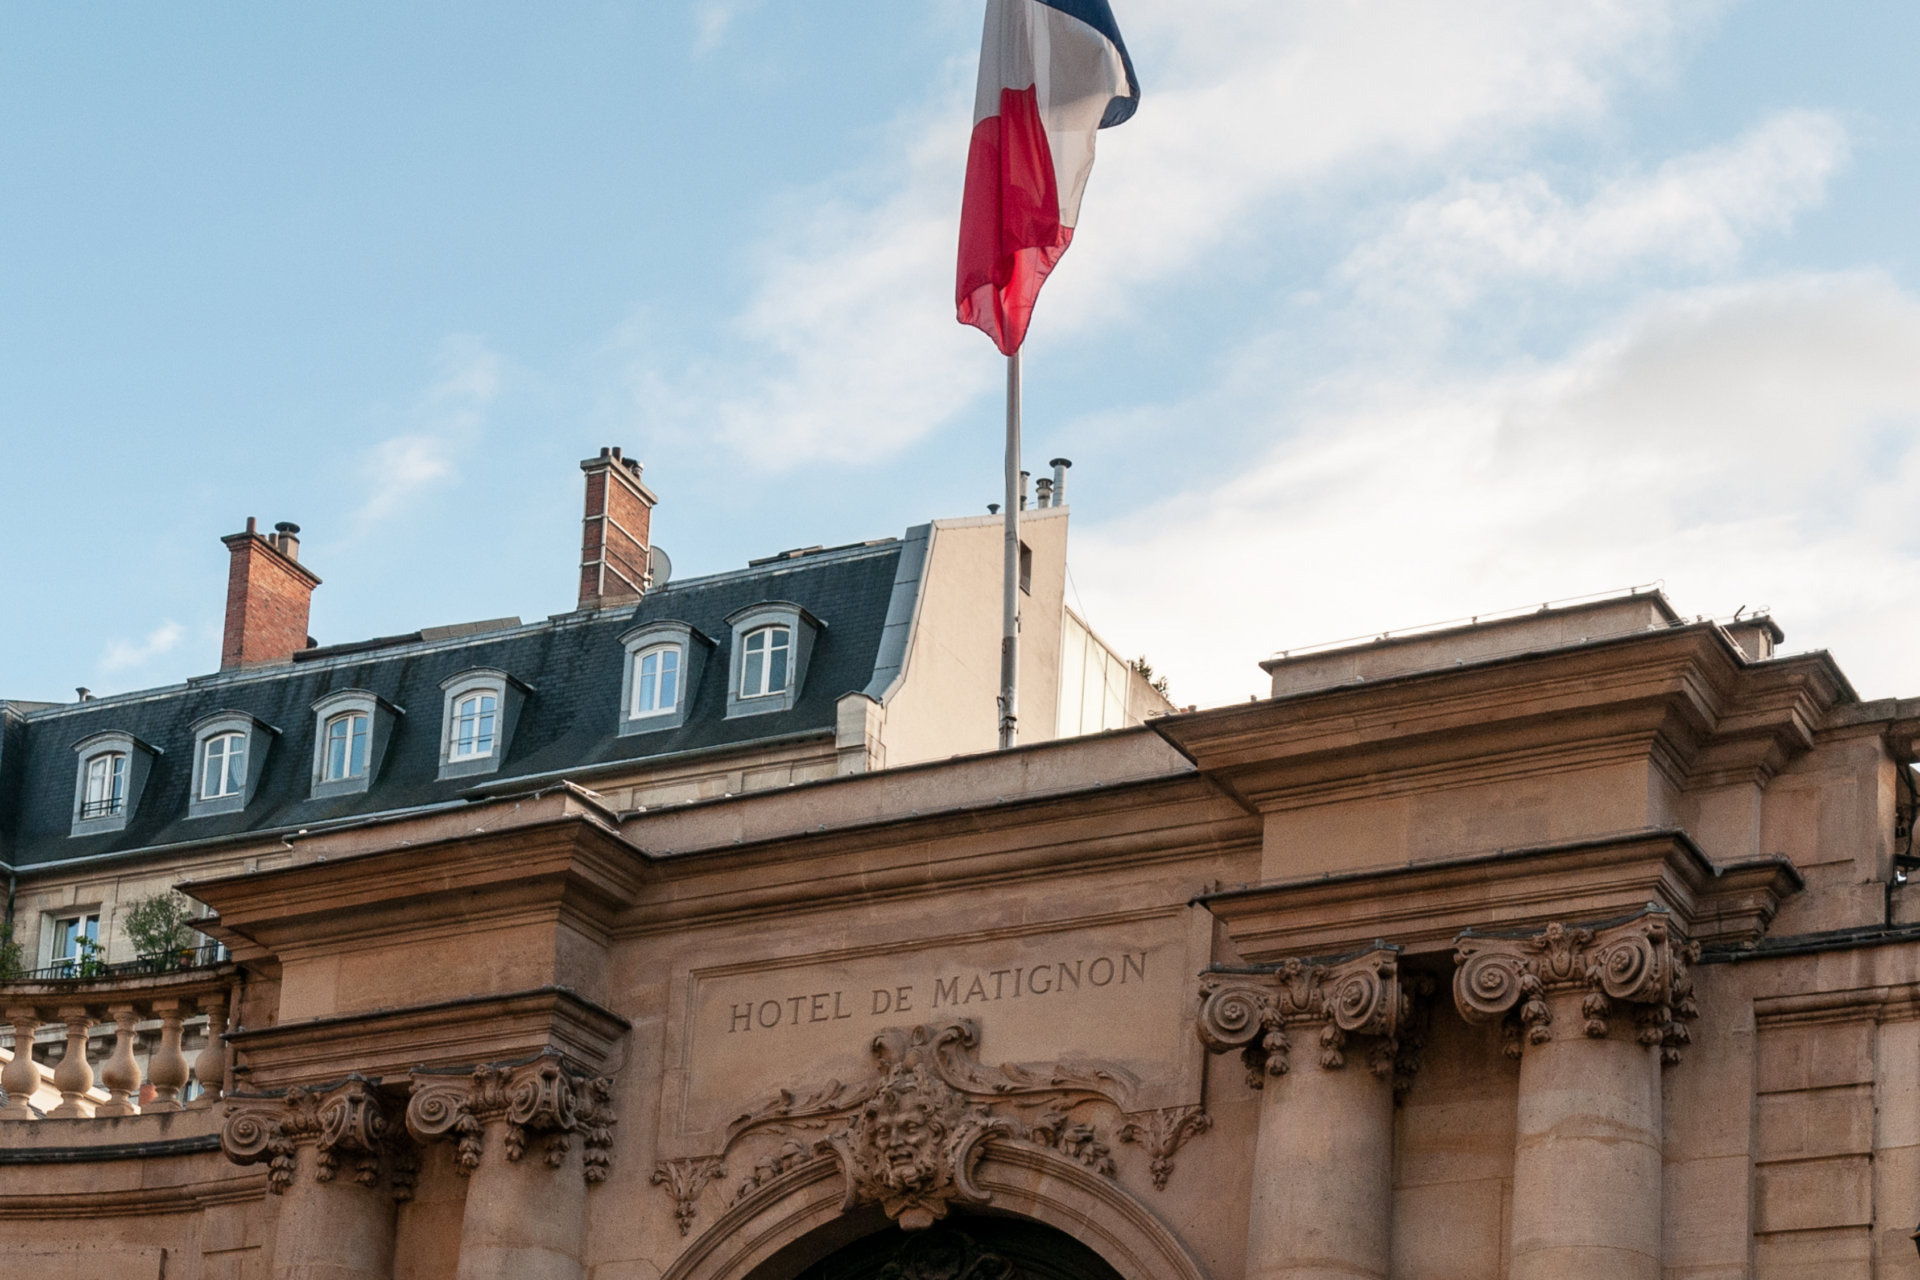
[(613, 547), (268, 595)]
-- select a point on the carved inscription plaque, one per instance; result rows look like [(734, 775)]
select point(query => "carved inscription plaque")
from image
[(1121, 991)]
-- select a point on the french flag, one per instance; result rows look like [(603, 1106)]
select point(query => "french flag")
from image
[(1053, 73)]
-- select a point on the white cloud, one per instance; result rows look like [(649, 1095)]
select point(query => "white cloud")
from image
[(1696, 211), (847, 347), (1751, 445), (122, 655), (448, 414), (711, 18)]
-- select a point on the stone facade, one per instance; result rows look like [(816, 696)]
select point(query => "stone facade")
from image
[(1572, 945)]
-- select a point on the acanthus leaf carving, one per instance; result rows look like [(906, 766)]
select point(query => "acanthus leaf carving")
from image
[(910, 1137), (1163, 1133), (684, 1181), (1636, 965)]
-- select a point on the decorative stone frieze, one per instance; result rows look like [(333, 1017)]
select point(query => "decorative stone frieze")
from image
[(543, 1098), (910, 1137), (1358, 994), (1638, 966), (348, 1122)]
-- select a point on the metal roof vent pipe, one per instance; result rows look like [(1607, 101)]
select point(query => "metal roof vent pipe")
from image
[(288, 541), (1043, 493), (1060, 466), (1023, 489)]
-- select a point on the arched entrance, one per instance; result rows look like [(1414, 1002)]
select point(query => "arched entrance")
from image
[(971, 1247)]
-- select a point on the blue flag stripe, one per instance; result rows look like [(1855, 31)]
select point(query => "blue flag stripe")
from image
[(1098, 14)]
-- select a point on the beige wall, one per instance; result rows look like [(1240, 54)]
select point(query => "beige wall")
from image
[(945, 702)]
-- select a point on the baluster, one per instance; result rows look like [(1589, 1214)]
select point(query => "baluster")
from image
[(74, 1076), (210, 1067), (120, 1073), (21, 1077), (167, 1068)]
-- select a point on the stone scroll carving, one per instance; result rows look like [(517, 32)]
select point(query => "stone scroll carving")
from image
[(544, 1099), (349, 1122), (1354, 995), (910, 1136), (1639, 967)]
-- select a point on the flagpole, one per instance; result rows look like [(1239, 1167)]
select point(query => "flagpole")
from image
[(1010, 589)]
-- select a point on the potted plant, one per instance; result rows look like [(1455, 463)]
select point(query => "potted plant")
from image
[(157, 926)]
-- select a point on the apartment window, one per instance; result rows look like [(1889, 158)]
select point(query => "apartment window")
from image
[(224, 767), (351, 730), (74, 939), (111, 771), (482, 707), (229, 748), (661, 676), (656, 680), (1026, 568), (106, 786), (772, 642), (474, 717), (346, 750), (764, 661)]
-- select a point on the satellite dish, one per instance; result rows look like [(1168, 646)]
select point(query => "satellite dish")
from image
[(659, 566)]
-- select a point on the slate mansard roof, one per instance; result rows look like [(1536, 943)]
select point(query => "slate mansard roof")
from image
[(863, 595)]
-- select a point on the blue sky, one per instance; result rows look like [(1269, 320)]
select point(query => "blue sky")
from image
[(1378, 313)]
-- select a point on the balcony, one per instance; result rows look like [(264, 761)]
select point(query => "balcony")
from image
[(112, 1040)]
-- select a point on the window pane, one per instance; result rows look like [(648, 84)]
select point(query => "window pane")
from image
[(236, 766), (357, 746), (483, 739), (336, 750), (753, 669), (647, 691), (669, 679), (777, 675)]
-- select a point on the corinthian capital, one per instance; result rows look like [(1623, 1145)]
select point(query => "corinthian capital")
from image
[(544, 1098), (1357, 994), (1639, 965), (349, 1121)]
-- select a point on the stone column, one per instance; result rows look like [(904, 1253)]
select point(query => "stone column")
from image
[(73, 1076), (210, 1066), (335, 1222), (120, 1073), (167, 1068), (526, 1210), (1592, 1012), (1322, 1195), (21, 1077)]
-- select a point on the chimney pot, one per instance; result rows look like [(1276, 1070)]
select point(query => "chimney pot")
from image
[(1060, 466), (253, 526), (1043, 493)]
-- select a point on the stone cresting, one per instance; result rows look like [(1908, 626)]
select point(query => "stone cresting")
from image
[(1359, 994), (544, 1097), (345, 1121), (1638, 964), (910, 1137)]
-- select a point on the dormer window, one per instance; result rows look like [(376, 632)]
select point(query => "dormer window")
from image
[(113, 771), (482, 707), (346, 747), (772, 642), (656, 681), (229, 749), (766, 653), (474, 719), (661, 676), (105, 793), (351, 730), (223, 767)]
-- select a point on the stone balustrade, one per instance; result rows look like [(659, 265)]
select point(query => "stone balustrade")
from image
[(156, 1006)]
